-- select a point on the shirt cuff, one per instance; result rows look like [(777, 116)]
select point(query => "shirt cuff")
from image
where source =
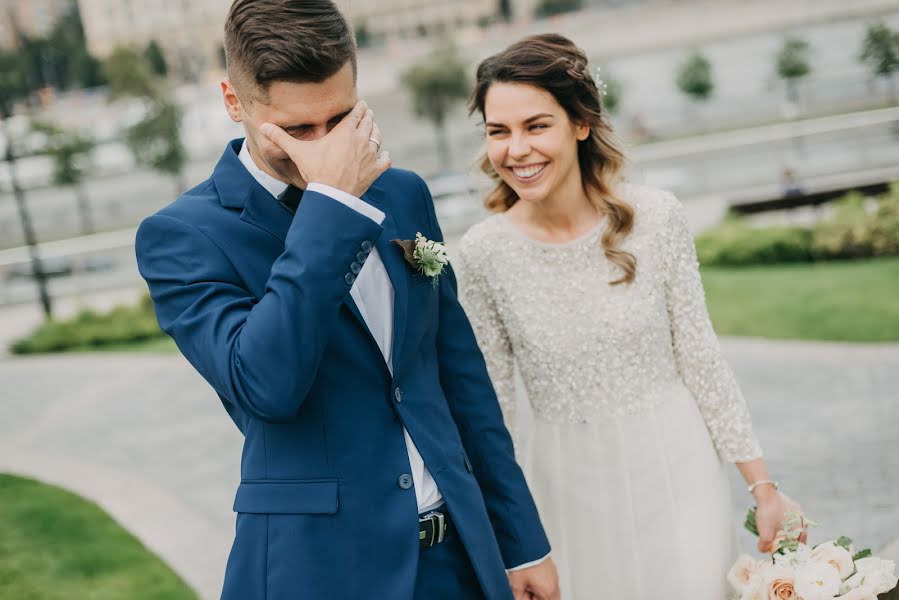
[(533, 563), (349, 200)]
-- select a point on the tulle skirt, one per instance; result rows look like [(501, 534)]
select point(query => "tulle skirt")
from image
[(636, 508)]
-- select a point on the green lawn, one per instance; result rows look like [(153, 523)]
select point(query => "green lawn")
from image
[(57, 546), (159, 345), (856, 301)]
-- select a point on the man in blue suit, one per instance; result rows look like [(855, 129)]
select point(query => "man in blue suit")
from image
[(376, 463)]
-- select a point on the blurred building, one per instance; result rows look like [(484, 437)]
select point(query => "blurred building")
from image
[(189, 32), (410, 18), (32, 18)]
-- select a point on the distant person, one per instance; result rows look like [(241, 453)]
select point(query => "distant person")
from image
[(791, 186), (590, 286), (375, 460)]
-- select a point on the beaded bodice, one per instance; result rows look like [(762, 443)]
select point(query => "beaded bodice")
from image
[(588, 350)]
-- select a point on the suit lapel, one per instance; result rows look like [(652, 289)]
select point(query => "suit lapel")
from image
[(397, 270), (265, 212)]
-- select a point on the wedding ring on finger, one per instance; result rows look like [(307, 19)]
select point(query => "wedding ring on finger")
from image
[(377, 144)]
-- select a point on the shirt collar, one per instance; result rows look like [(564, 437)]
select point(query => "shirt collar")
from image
[(275, 187)]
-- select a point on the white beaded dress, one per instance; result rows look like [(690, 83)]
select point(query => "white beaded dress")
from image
[(634, 409)]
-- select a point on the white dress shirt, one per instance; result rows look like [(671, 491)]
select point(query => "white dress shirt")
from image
[(373, 294)]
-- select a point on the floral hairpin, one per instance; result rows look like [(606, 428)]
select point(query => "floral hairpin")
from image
[(600, 84)]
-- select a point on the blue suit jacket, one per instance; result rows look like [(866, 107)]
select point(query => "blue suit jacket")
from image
[(258, 301)]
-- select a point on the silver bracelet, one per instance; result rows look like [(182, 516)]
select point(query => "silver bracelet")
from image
[(752, 487)]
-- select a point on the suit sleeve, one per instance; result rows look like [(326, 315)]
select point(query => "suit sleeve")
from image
[(476, 411), (261, 354)]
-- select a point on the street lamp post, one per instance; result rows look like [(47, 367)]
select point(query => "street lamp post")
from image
[(36, 266)]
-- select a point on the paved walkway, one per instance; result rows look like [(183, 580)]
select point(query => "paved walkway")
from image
[(145, 438)]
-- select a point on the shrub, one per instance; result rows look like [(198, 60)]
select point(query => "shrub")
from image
[(737, 244), (90, 329), (857, 229)]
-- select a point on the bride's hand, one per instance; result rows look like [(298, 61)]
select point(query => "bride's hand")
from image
[(772, 507)]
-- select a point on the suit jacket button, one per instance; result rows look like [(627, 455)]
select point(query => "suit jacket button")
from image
[(367, 246), (350, 279), (398, 394), (360, 257), (355, 268), (405, 481)]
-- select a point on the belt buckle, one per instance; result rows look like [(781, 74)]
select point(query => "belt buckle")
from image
[(438, 520)]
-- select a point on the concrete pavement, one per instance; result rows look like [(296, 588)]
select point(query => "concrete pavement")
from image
[(147, 439)]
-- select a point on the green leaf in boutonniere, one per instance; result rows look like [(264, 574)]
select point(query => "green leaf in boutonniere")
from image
[(424, 256)]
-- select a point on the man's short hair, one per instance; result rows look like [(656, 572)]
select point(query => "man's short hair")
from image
[(301, 41)]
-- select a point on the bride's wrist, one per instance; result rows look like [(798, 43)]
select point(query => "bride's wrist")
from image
[(764, 490)]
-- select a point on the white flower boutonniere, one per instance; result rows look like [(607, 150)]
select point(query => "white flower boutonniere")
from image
[(425, 256)]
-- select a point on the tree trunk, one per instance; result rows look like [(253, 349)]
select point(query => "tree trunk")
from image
[(443, 149), (793, 94), (180, 183), (84, 209)]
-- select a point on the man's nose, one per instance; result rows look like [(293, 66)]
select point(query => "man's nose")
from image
[(318, 133)]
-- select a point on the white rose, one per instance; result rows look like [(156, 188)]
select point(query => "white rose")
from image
[(817, 581), (860, 593), (740, 574), (839, 557), (876, 573), (754, 589)]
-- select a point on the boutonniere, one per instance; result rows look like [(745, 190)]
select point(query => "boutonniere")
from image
[(424, 256)]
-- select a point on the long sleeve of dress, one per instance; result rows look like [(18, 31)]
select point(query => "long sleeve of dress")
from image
[(697, 351), (480, 306)]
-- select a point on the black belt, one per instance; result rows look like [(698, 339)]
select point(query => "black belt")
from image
[(434, 527)]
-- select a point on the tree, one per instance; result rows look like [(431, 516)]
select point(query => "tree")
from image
[(363, 36), (12, 81), (155, 142), (129, 75), (880, 51), (695, 78), (505, 10), (437, 84), (156, 59), (70, 153), (60, 59), (548, 8), (793, 65)]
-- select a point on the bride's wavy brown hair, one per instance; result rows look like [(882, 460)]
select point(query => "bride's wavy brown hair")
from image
[(554, 63)]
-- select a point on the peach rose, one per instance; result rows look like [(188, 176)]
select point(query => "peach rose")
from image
[(839, 557), (779, 583)]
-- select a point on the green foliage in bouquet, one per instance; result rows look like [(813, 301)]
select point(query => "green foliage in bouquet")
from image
[(792, 529)]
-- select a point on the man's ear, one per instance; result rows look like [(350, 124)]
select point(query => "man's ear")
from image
[(232, 102)]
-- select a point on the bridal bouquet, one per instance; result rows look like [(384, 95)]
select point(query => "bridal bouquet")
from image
[(801, 572)]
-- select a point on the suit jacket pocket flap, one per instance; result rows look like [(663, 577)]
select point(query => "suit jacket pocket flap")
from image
[(318, 497)]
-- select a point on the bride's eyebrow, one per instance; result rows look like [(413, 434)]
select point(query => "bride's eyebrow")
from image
[(526, 121)]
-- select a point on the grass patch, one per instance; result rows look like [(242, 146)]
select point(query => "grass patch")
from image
[(157, 345), (852, 301), (57, 546)]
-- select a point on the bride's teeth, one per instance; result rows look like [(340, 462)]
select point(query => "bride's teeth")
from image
[(528, 172)]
